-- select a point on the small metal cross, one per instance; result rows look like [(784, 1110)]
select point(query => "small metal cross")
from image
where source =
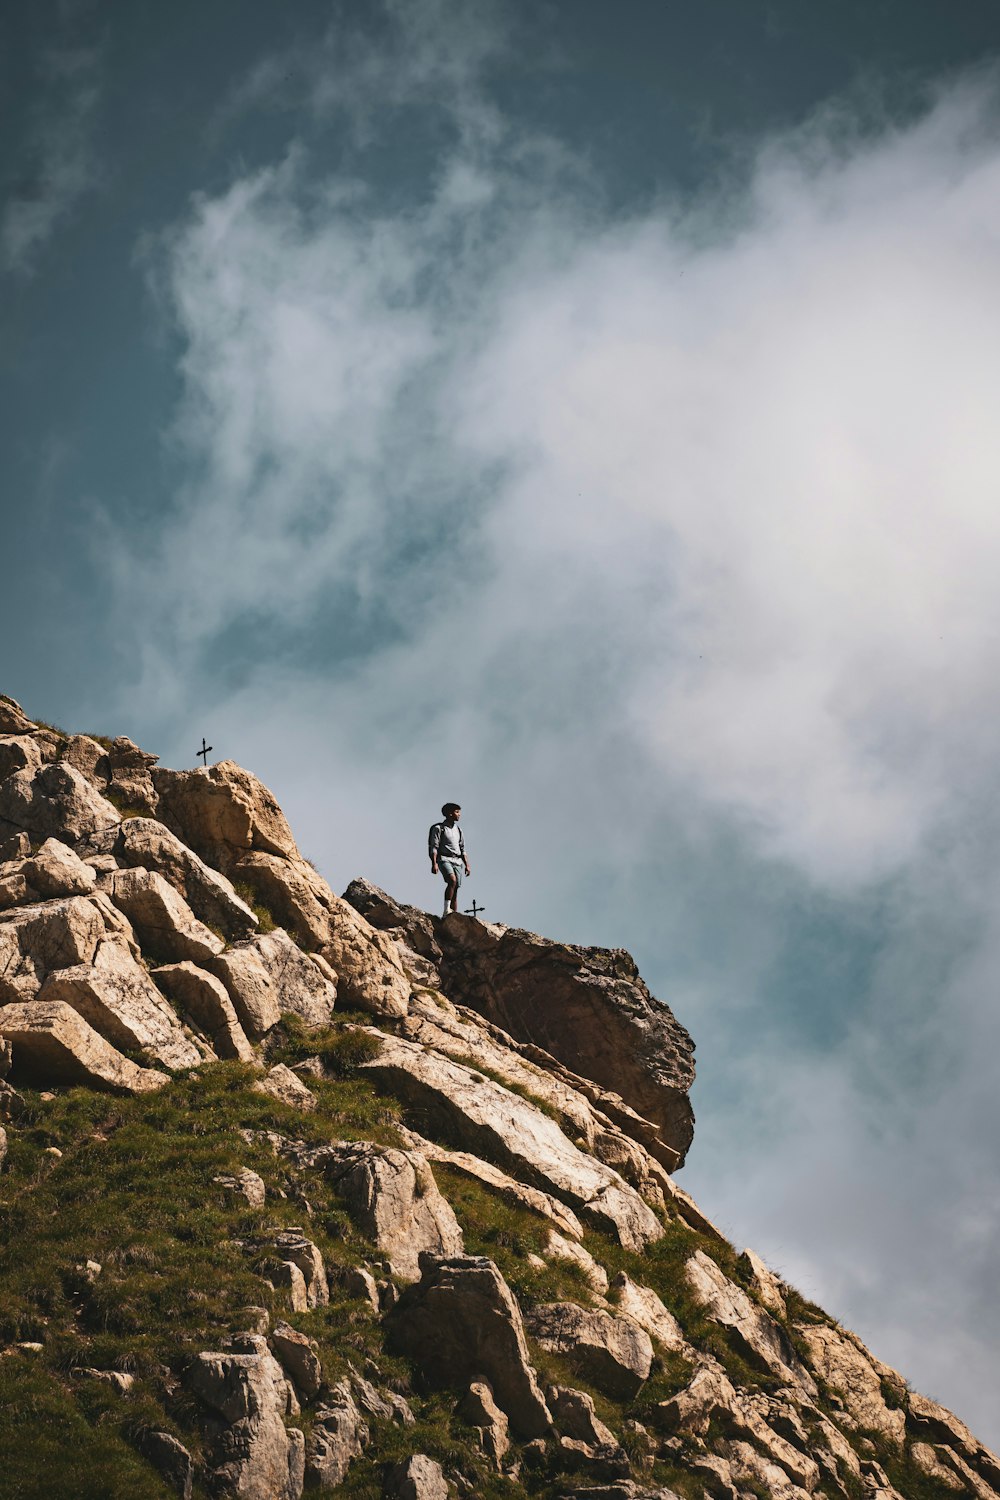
[(474, 910), (205, 751)]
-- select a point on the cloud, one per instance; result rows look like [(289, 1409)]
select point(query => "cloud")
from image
[(56, 164), (669, 545)]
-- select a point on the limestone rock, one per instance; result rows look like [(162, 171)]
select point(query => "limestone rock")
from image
[(247, 1184), (169, 1455), (755, 1334), (221, 812), (164, 922), (502, 1183), (490, 1121), (14, 891), (249, 1451), (588, 1007), (768, 1287), (575, 1417), (147, 844), (13, 719), (34, 940), (54, 1044), (844, 1368), (88, 756), (119, 1000), (709, 1393), (417, 1478), (612, 1352), (205, 1001), (356, 1281), (55, 801), (370, 974), (266, 975), (479, 1409), (129, 774), (300, 1357), (282, 1084), (56, 871), (460, 1323), (338, 1437), (293, 1245), (928, 1419), (18, 752), (394, 1200), (643, 1306)]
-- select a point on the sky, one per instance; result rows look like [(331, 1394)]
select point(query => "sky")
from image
[(586, 413)]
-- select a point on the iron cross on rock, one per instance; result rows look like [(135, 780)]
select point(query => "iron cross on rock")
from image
[(204, 752), (474, 910)]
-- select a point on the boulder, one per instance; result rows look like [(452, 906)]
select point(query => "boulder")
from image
[(246, 1184), (753, 1332), (89, 757), (488, 1120), (709, 1393), (587, 1007), (369, 970), (356, 1281), (206, 1003), (57, 871), (557, 1247), (249, 1451), (394, 1200), (54, 1044), (479, 1409), (460, 1323), (643, 1306), (117, 997), (266, 975), (611, 1352), (843, 1367), (416, 1478), (18, 752), (129, 775), (299, 1356), (294, 1247), (169, 1455), (338, 1437), (14, 891), (165, 924), (575, 1417), (284, 1085), (147, 844), (13, 719), (34, 940), (55, 801), (221, 812)]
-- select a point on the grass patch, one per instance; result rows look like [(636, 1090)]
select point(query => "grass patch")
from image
[(122, 805), (341, 1048), (264, 915)]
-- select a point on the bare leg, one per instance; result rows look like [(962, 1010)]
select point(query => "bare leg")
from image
[(451, 896)]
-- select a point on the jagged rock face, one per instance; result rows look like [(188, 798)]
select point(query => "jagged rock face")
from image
[(251, 1453), (587, 1007)]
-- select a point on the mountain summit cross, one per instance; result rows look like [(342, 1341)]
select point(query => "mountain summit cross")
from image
[(204, 752)]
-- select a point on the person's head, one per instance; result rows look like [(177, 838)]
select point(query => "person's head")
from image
[(451, 811)]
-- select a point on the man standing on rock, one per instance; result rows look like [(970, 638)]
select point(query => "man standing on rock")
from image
[(446, 847)]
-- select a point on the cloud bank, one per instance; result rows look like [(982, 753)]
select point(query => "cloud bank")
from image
[(672, 540)]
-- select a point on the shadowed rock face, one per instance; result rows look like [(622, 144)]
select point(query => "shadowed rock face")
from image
[(588, 1007)]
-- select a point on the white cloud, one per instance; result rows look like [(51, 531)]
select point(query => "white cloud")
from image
[(55, 160), (657, 539)]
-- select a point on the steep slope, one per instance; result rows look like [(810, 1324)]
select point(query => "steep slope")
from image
[(310, 1192)]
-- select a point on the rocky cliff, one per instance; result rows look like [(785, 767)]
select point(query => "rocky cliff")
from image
[(302, 1191)]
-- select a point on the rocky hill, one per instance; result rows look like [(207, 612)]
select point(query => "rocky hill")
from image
[(302, 1191)]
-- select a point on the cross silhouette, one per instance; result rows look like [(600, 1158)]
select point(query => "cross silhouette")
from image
[(205, 751), (474, 910)]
